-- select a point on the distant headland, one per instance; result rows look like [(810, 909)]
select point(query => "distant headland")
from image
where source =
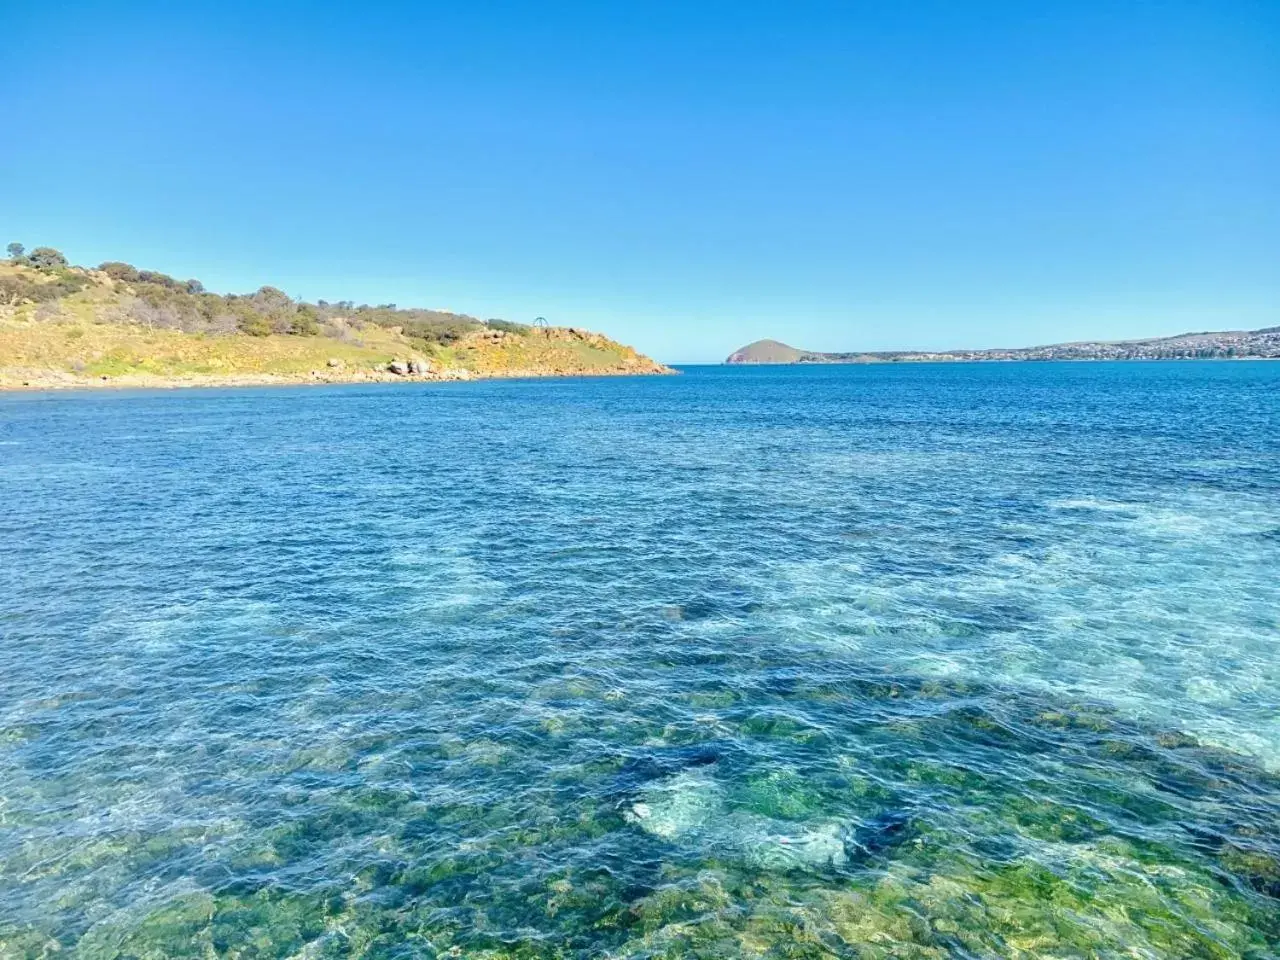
[(1227, 345), (115, 325)]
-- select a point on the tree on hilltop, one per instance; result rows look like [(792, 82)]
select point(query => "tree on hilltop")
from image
[(15, 251), (159, 279), (120, 271), (47, 258), (273, 298)]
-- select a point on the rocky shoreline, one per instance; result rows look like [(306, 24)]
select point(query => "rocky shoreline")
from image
[(46, 380)]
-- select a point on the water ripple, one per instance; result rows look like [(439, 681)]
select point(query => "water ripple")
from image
[(919, 661)]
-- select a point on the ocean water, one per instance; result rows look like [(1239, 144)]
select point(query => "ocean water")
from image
[(890, 661)]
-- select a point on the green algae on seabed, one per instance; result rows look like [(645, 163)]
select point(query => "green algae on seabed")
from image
[(989, 868), (1090, 902)]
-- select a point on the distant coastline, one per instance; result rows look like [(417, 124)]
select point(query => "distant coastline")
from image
[(1226, 345)]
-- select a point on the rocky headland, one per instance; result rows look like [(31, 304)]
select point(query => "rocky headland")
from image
[(69, 327)]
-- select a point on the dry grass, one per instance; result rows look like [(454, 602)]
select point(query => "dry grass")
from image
[(87, 337), (110, 349)]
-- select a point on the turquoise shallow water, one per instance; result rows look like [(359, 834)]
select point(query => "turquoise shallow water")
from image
[(918, 661)]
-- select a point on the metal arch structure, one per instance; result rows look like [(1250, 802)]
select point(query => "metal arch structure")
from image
[(540, 322)]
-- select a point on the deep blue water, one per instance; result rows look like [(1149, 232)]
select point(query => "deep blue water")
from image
[(909, 661)]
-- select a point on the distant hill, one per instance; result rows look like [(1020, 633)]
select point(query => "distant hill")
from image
[(63, 325), (767, 351), (1233, 344)]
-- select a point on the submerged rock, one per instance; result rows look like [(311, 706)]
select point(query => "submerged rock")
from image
[(677, 806), (768, 845), (692, 807)]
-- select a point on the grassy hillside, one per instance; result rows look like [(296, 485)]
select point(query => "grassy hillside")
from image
[(66, 326)]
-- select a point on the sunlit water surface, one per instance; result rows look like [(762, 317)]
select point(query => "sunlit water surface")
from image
[(910, 661)]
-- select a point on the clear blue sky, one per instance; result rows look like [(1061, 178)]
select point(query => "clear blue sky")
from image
[(685, 176)]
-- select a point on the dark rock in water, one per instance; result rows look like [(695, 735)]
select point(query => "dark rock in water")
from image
[(638, 771), (637, 891), (876, 838), (997, 850), (1205, 839), (1258, 868)]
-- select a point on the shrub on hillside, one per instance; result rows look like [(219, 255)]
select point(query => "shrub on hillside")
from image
[(254, 324), (120, 271), (46, 258), (159, 300), (160, 280), (48, 311), (19, 289), (305, 321), (508, 327)]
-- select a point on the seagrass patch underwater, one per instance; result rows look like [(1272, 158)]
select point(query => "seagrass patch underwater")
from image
[(894, 661)]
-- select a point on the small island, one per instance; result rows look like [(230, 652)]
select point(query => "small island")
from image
[(1226, 345), (65, 326)]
